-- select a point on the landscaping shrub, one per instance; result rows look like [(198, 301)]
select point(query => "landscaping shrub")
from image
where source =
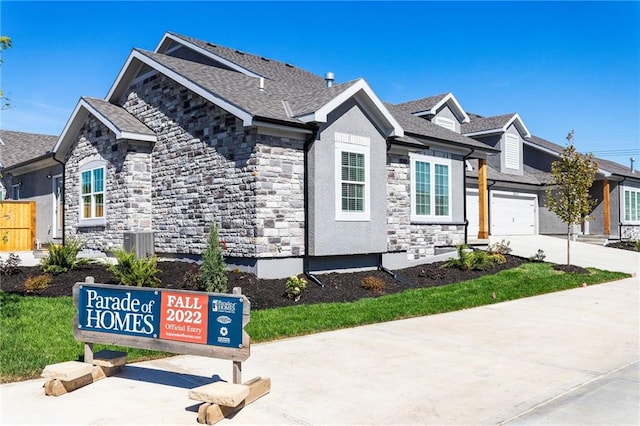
[(39, 282), (213, 269), (11, 265), (294, 287), (373, 283), (473, 259), (131, 270), (193, 279), (539, 256), (62, 258), (500, 248)]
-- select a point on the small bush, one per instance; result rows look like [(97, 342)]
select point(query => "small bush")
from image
[(373, 283), (472, 259), (500, 248), (539, 256), (62, 258), (11, 265), (214, 269), (498, 258), (39, 282), (294, 287), (131, 270)]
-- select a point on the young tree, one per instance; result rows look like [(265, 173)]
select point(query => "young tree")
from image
[(571, 178), (213, 269), (5, 43)]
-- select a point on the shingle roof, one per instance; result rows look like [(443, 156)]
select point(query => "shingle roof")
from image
[(603, 164), (420, 105), (528, 177), (119, 117), (482, 124), (18, 147), (421, 127), (268, 68)]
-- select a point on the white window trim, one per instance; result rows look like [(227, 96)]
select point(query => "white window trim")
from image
[(361, 147), (623, 206), (99, 221), (432, 218)]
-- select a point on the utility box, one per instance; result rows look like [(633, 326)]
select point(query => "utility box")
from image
[(140, 242)]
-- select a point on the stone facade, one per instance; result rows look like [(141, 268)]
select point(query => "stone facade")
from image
[(206, 168), (127, 183), (630, 232), (418, 240)]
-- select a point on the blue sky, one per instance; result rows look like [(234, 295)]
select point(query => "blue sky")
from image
[(560, 65)]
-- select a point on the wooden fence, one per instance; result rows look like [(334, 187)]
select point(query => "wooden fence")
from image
[(17, 225)]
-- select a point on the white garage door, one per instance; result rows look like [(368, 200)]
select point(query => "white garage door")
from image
[(473, 211), (513, 213)]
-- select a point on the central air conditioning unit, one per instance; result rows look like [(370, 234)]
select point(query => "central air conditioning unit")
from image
[(140, 242)]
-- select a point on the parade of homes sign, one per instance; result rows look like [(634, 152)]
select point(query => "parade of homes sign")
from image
[(186, 322)]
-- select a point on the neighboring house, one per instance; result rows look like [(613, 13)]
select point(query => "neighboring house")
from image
[(505, 193), (30, 172), (298, 172)]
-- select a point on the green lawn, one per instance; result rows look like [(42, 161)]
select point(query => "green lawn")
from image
[(35, 331)]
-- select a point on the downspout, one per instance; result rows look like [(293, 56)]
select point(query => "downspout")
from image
[(464, 194), (305, 260), (62, 194), (620, 201)]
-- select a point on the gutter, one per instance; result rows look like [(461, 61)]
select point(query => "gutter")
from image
[(62, 194), (305, 260)]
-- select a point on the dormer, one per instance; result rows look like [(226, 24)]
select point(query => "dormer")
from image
[(443, 110), (505, 132)]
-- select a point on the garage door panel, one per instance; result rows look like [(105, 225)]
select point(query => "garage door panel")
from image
[(513, 214)]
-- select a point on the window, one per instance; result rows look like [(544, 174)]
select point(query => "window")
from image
[(512, 152), (352, 177), (632, 205), (92, 193), (430, 188)]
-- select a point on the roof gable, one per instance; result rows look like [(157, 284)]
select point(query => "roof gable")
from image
[(432, 105), (481, 126), (114, 117)]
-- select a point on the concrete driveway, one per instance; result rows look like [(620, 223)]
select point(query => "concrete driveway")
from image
[(582, 254)]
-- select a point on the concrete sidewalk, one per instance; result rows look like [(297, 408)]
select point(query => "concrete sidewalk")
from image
[(536, 360)]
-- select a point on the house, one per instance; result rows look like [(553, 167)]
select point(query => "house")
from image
[(506, 193), (29, 172), (299, 173)]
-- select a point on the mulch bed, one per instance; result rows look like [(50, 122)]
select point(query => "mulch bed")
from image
[(265, 293)]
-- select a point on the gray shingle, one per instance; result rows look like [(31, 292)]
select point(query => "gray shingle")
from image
[(421, 105), (20, 146), (119, 117), (482, 124)]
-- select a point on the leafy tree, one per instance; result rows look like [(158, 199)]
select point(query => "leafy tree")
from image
[(571, 178), (214, 269), (5, 43)]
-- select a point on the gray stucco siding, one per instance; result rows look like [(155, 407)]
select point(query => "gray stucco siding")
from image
[(328, 234)]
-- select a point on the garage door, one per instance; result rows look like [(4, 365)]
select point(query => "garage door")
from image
[(513, 213)]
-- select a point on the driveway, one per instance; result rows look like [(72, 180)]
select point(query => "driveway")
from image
[(582, 254)]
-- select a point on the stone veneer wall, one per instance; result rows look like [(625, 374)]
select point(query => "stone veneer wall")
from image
[(418, 240), (127, 185), (630, 232), (208, 167)]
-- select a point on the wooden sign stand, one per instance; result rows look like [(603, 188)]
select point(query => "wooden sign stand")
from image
[(220, 399)]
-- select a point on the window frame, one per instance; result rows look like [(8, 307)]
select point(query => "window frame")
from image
[(432, 161), (627, 210), (93, 219), (363, 149)]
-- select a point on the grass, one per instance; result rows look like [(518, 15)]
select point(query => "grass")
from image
[(35, 332)]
